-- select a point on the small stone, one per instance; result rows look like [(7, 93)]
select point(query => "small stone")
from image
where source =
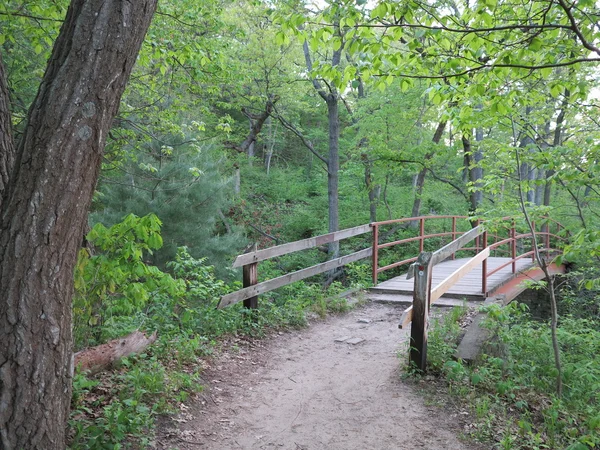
[(364, 320), (354, 341)]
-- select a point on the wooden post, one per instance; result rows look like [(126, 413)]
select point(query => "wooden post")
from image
[(547, 230), (375, 259), (453, 233), (513, 247), (421, 233), (484, 266), (477, 239), (250, 278), (533, 241), (420, 311)]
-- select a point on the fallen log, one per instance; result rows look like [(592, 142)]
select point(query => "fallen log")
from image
[(97, 359)]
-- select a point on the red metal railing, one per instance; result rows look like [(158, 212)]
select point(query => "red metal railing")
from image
[(421, 238), (545, 236)]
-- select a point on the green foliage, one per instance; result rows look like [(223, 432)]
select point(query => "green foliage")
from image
[(116, 281), (511, 388), (119, 408), (443, 339), (185, 188)]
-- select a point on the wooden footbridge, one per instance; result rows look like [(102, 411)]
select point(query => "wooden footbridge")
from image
[(450, 256)]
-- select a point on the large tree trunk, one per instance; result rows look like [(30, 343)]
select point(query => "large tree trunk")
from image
[(44, 212), (7, 149)]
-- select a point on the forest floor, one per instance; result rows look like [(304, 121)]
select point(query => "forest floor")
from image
[(303, 390)]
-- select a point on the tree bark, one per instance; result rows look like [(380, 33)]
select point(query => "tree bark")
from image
[(473, 170), (333, 168), (44, 212), (420, 182), (7, 149), (331, 97), (256, 123)]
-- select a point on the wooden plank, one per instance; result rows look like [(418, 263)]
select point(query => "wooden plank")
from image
[(406, 318), (451, 248), (420, 312), (459, 273), (261, 255), (250, 278), (283, 280)]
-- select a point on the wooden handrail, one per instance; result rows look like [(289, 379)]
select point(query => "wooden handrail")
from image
[(266, 286), (249, 261), (284, 249)]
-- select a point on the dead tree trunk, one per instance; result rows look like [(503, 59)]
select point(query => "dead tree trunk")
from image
[(45, 202), (97, 359)]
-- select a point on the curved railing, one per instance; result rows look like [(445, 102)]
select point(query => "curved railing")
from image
[(421, 220), (502, 235)]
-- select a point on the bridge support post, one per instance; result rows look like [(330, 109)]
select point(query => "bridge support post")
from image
[(375, 256), (420, 312)]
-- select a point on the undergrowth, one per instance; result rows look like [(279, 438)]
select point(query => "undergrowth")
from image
[(510, 390), (117, 409)]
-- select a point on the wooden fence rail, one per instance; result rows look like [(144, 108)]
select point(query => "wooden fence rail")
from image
[(249, 262)]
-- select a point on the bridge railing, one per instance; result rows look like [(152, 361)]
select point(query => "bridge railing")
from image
[(415, 222), (520, 245), (250, 261), (424, 295)]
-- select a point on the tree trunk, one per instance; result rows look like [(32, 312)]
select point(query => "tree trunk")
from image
[(252, 143), (473, 171), (333, 167), (44, 212), (539, 187), (557, 141), (7, 149), (420, 181)]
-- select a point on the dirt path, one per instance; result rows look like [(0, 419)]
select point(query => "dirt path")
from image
[(304, 391)]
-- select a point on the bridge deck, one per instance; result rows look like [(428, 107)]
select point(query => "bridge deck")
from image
[(469, 287)]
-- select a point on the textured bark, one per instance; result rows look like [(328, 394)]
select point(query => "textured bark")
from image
[(44, 211), (97, 359), (7, 149)]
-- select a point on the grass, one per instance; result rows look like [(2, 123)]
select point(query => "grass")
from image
[(510, 392)]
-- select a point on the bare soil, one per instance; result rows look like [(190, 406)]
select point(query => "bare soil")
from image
[(302, 390)]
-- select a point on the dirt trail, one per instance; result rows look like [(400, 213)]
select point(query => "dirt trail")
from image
[(304, 391)]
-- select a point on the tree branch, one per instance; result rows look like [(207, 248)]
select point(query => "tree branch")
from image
[(308, 144)]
